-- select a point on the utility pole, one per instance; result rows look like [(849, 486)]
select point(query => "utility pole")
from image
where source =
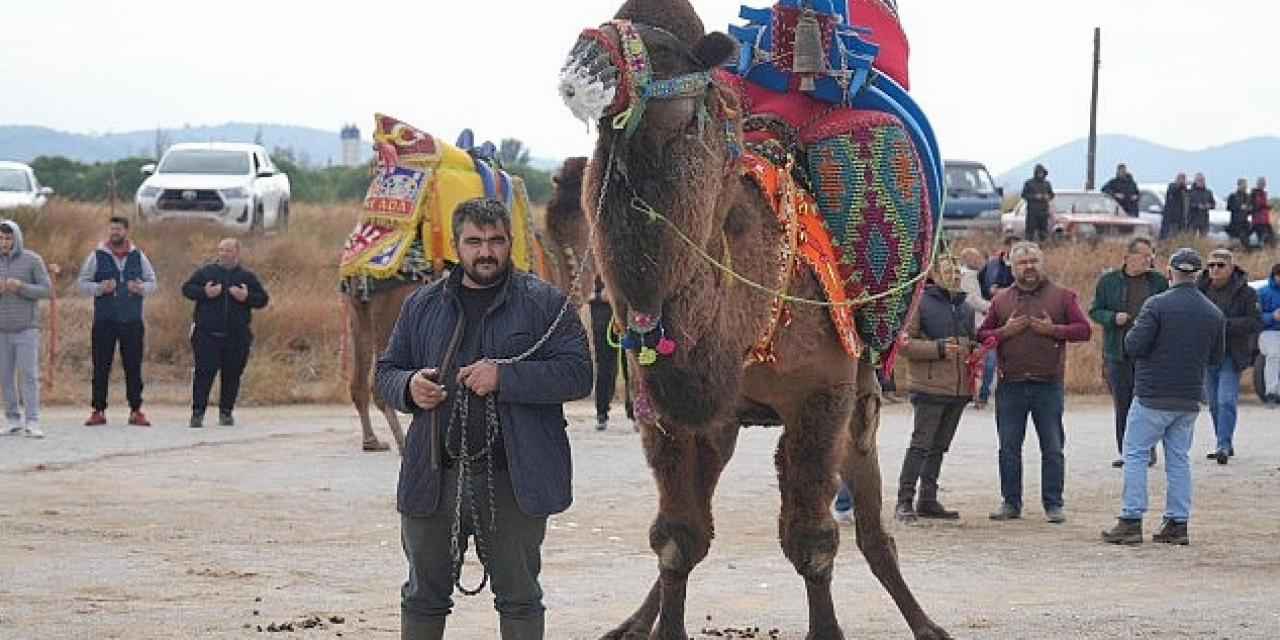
[(1093, 109)]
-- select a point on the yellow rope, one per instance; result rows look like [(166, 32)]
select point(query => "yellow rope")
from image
[(640, 205)]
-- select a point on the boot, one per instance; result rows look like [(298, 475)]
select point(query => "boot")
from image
[(934, 509), (525, 629), (412, 628), (1125, 532), (197, 420), (904, 513), (1172, 533)]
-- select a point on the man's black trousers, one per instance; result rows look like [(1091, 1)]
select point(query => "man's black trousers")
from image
[(227, 353)]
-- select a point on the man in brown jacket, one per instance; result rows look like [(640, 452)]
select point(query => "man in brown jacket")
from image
[(940, 338), (1032, 322)]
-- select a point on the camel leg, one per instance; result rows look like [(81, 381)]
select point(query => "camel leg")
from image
[(861, 469), (681, 534), (385, 309), (361, 359), (807, 457)]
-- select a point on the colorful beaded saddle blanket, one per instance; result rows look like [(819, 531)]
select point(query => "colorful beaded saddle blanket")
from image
[(406, 227), (845, 158)]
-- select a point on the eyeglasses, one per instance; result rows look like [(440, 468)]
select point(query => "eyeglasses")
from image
[(1217, 265)]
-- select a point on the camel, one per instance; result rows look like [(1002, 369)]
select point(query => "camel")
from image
[(697, 396)]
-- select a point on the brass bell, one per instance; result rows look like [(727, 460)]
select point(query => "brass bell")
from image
[(808, 50)]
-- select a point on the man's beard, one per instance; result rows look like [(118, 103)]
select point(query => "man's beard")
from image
[(489, 280)]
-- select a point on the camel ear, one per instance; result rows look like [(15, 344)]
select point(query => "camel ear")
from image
[(714, 49)]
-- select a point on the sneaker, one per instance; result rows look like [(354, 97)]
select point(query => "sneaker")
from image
[(904, 513), (12, 429), (602, 424), (375, 445), (1221, 456), (96, 419), (1117, 463), (32, 430), (138, 419), (1125, 532), (1172, 533), (197, 420), (844, 516), (1151, 461), (1055, 515), (933, 509), (1006, 512), (225, 419)]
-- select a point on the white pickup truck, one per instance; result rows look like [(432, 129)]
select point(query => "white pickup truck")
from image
[(19, 187), (233, 184)]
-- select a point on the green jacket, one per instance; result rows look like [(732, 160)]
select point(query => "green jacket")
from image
[(1110, 300)]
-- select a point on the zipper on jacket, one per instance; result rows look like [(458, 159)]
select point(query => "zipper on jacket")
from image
[(449, 353)]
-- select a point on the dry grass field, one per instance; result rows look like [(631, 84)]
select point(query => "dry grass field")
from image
[(296, 354)]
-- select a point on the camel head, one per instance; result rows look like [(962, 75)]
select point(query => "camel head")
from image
[(567, 230), (669, 141)]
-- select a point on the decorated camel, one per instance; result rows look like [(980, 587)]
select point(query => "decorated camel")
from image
[(403, 240), (762, 229)]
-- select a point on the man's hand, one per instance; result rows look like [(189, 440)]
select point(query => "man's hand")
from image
[(425, 393), (239, 292), (1044, 326), (108, 287), (212, 289), (135, 287), (12, 285), (481, 377), (1122, 319), (1014, 325)]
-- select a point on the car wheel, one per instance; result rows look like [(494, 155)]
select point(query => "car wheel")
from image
[(1260, 377)]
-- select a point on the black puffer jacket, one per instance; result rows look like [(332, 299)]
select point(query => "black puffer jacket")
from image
[(1177, 335), (1244, 319), (224, 315)]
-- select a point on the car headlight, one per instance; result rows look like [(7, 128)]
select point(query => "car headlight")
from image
[(150, 192), (238, 193)]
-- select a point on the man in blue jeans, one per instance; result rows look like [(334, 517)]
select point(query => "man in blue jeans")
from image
[(1176, 336), (1032, 322), (1227, 287)]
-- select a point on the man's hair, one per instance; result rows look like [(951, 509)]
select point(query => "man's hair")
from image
[(1025, 248), (973, 251), (1133, 244), (1179, 277), (6, 228), (120, 220), (1224, 253), (481, 212), (1275, 270), (1012, 239)]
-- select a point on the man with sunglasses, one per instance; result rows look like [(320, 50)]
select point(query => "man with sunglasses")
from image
[(1227, 286)]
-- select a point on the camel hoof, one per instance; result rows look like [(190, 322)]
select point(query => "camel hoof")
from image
[(932, 632), (376, 445)]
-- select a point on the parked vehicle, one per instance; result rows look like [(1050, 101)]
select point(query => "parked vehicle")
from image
[(1151, 209), (970, 190), (233, 184), (1081, 215), (19, 187)]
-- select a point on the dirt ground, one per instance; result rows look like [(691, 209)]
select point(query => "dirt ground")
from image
[(173, 533)]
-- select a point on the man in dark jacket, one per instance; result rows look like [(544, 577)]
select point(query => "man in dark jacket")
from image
[(1120, 296), (941, 337), (1241, 206), (1124, 190), (1261, 220), (1031, 325), (1227, 286), (1174, 218), (225, 294), (118, 276), (1200, 202), (1038, 193), (606, 354), (484, 360), (997, 275), (1175, 337)]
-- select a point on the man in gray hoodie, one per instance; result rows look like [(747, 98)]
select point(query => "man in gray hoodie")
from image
[(23, 282)]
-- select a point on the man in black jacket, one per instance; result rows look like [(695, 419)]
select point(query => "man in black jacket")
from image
[(225, 294), (1176, 336), (1200, 202), (1174, 218), (1124, 190), (1227, 286), (1241, 206), (1038, 193), (484, 360)]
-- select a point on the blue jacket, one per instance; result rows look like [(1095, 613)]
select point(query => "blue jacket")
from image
[(1178, 334), (1269, 301), (530, 393)]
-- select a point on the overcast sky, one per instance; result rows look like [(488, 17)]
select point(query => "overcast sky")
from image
[(1001, 80)]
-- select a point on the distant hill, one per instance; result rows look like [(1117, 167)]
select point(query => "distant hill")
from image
[(1150, 162), (313, 147)]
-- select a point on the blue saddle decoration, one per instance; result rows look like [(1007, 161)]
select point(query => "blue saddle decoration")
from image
[(497, 183), (848, 77)]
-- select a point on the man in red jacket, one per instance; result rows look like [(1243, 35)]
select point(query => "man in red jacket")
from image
[(1032, 322)]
